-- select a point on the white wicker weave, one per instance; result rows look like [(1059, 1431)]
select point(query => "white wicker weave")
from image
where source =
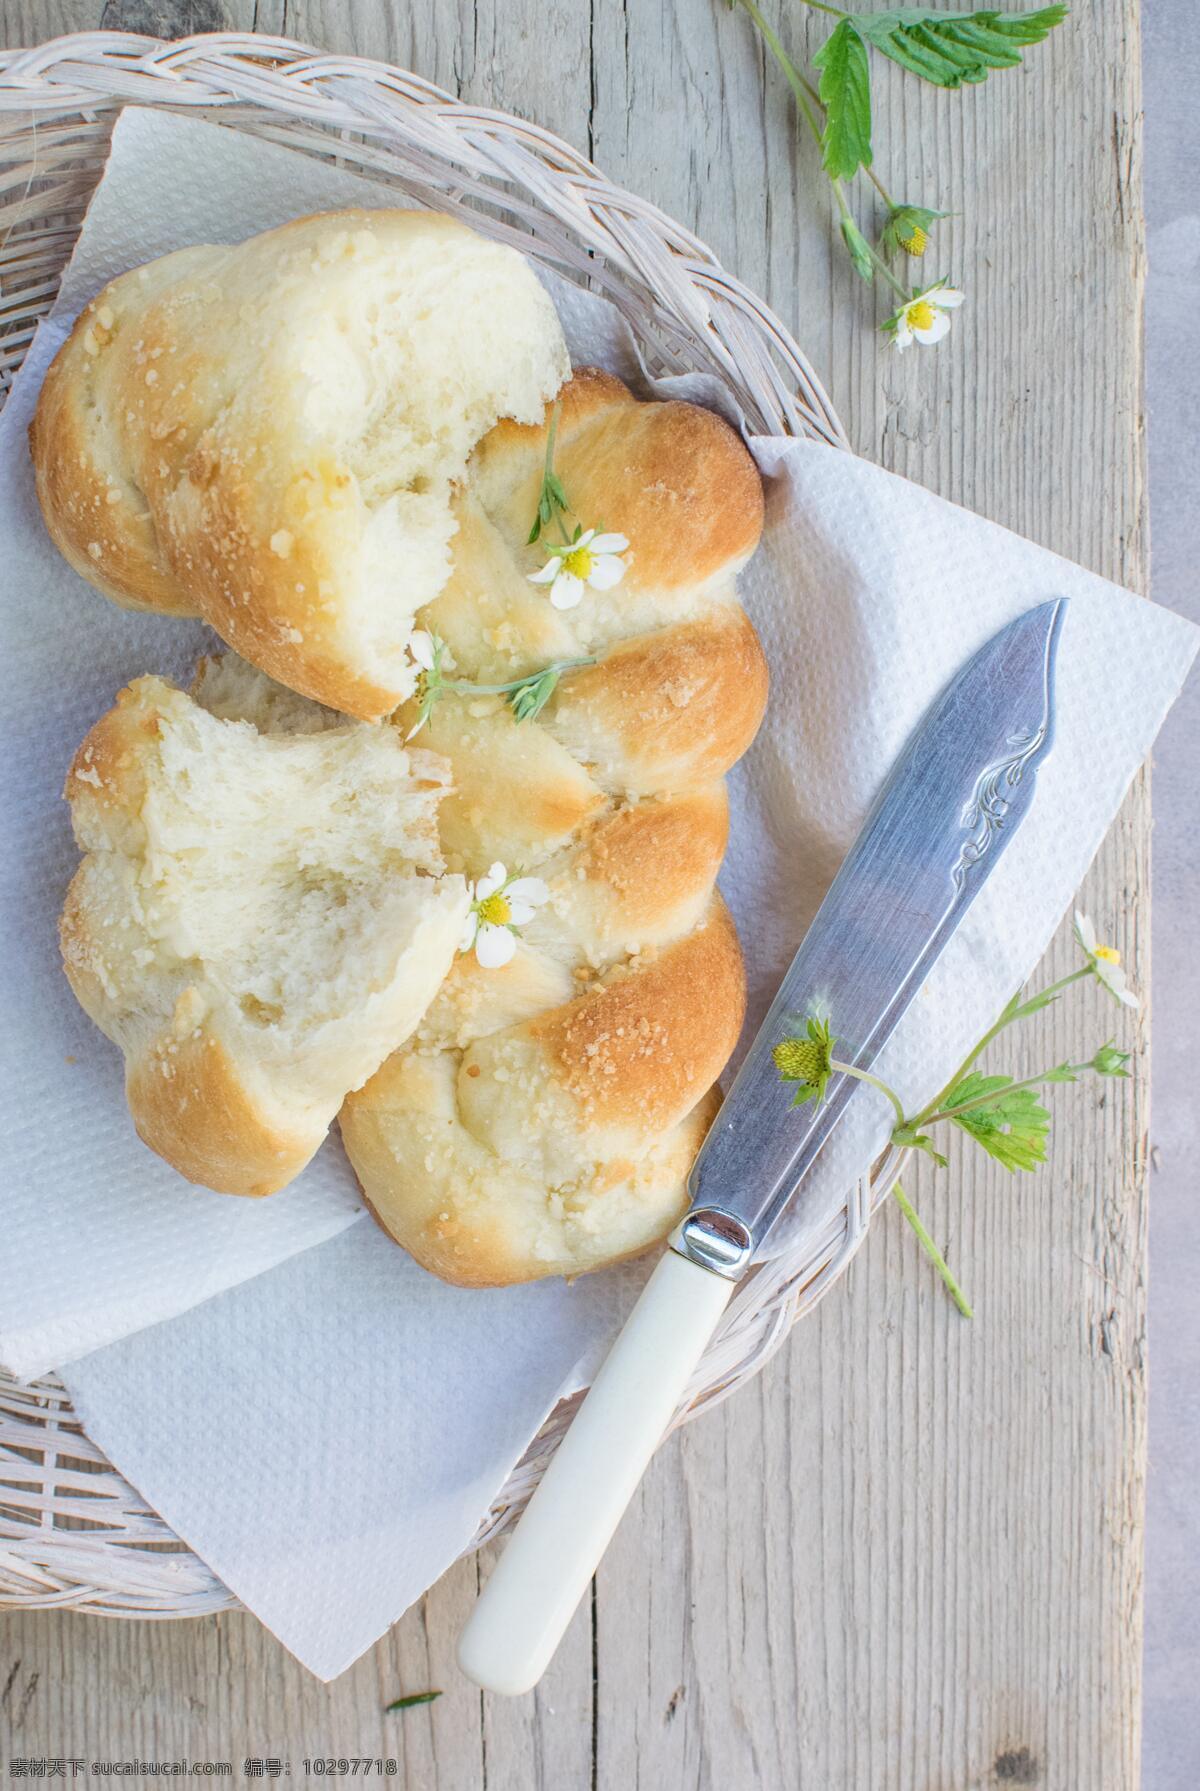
[(72, 1531)]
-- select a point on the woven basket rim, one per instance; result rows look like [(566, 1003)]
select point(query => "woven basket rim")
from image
[(73, 1532)]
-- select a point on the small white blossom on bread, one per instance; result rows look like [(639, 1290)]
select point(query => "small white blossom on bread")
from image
[(1105, 961), (427, 650), (500, 906), (923, 318), (588, 560)]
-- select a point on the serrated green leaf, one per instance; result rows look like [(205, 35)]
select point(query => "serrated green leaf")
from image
[(1012, 1128), (860, 250), (975, 1086), (950, 48), (845, 91)]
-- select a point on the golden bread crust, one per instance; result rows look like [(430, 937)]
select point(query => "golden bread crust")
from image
[(655, 1038), (544, 1118), (224, 433), (191, 1104)]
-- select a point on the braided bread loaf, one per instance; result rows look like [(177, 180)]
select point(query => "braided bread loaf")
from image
[(297, 439), (544, 1117)]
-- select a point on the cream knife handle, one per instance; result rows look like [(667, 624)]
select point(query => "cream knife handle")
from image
[(545, 1568)]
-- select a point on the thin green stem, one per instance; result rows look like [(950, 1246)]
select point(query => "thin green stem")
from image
[(932, 1252), (811, 91), (795, 80), (808, 103), (879, 187), (985, 1100), (877, 260), (551, 437), (466, 687), (823, 6), (848, 1069), (1051, 989), (1011, 1013), (548, 471)]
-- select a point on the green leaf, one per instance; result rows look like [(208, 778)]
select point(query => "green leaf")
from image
[(950, 48), (860, 249), (846, 96), (529, 699), (1062, 1072), (1033, 1005), (914, 1140), (1012, 1128), (425, 1697), (974, 1087)]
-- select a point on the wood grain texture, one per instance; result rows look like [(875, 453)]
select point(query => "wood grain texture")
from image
[(908, 1557)]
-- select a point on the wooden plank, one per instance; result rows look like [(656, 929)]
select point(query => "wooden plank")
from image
[(909, 1555)]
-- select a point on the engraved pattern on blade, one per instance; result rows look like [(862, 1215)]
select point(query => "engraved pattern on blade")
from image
[(988, 809), (902, 891)]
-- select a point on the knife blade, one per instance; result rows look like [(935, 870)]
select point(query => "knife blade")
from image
[(944, 817), (954, 799)]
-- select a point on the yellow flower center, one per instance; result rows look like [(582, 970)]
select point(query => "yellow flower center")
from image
[(579, 562), (800, 1059), (921, 315), (494, 910), (917, 243), (1108, 953)]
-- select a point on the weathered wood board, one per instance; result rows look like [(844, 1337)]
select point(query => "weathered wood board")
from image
[(909, 1556)]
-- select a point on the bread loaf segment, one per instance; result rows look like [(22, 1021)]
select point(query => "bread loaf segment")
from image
[(545, 1115), (478, 1220), (257, 921), (269, 435)]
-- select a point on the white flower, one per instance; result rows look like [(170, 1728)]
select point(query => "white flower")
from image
[(422, 646), (426, 650), (590, 559), (923, 318), (1105, 961), (500, 904)]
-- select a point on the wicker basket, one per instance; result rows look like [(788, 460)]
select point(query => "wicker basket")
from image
[(72, 1531)]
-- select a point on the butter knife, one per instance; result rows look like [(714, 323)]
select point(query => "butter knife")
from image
[(955, 798)]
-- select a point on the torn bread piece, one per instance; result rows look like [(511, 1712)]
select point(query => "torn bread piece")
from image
[(259, 920), (269, 435)]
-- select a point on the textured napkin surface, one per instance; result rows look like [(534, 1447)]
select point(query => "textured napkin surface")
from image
[(330, 1491), (362, 1414)]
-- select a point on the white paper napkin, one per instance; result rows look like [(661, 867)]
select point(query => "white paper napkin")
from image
[(347, 1412)]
